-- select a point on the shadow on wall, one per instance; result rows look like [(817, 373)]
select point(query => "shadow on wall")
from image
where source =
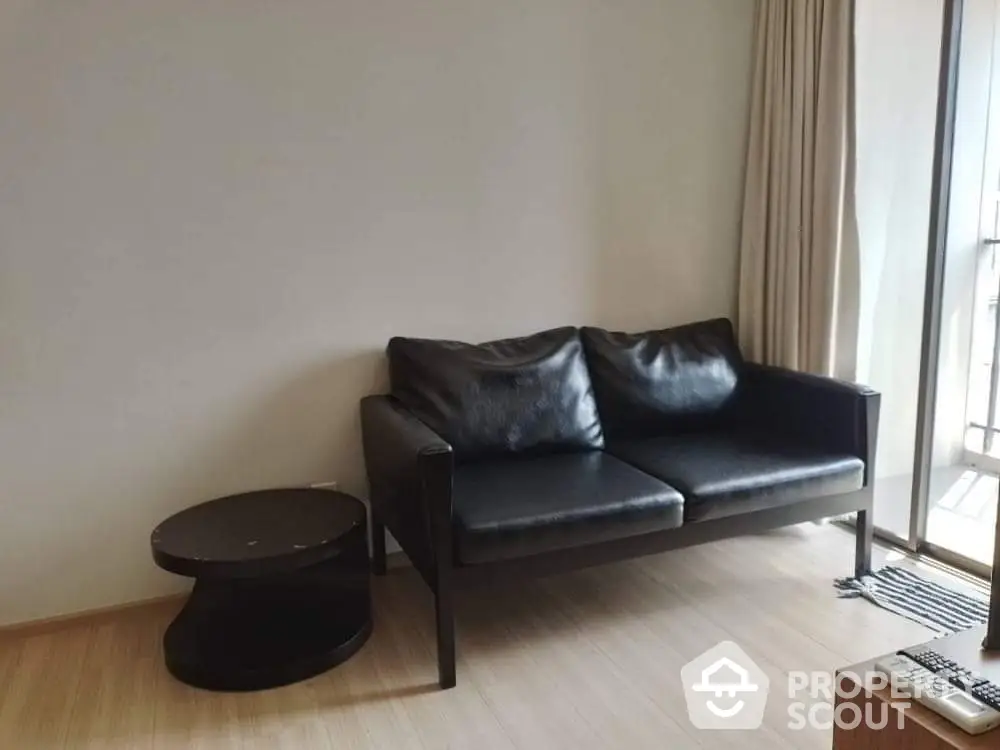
[(456, 170), (303, 431), (300, 430), (667, 201)]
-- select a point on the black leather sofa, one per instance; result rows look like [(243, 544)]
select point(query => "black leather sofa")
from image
[(574, 447)]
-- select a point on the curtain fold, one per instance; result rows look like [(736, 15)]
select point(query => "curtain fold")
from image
[(798, 289)]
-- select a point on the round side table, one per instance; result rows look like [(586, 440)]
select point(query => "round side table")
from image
[(281, 587)]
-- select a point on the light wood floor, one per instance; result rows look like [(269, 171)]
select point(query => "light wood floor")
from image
[(586, 660)]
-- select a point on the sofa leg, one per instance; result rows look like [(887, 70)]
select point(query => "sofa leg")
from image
[(378, 546), (864, 541), (445, 637)]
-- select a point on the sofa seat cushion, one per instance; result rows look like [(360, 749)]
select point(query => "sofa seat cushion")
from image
[(723, 474), (513, 507)]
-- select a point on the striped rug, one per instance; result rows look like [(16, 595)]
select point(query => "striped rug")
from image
[(912, 596)]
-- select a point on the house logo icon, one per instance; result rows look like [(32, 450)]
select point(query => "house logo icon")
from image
[(725, 689)]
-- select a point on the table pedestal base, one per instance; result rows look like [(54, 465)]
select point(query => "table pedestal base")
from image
[(253, 634)]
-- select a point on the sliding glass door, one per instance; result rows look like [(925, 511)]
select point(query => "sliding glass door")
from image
[(962, 503), (928, 197)]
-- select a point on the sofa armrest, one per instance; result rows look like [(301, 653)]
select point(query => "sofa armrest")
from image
[(410, 469), (832, 414)]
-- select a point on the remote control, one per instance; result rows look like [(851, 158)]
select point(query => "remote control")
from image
[(937, 691)]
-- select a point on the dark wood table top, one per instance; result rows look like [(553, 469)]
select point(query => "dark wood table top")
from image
[(256, 533)]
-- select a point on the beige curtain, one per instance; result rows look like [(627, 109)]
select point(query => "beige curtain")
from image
[(798, 294)]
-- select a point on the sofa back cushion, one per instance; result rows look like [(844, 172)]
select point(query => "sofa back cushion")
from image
[(523, 395), (663, 381)]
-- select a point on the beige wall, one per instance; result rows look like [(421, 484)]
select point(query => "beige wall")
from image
[(214, 213)]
